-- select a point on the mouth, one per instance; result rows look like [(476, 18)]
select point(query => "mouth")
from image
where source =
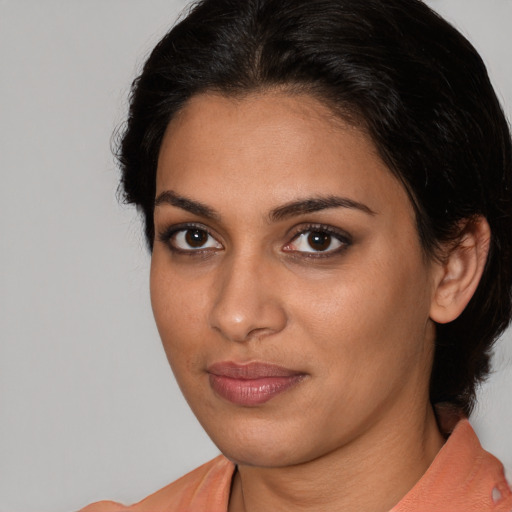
[(251, 384)]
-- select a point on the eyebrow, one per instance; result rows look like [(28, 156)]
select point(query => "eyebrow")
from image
[(315, 204), (189, 205), (292, 209)]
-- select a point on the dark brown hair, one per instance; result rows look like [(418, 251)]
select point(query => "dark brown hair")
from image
[(414, 83)]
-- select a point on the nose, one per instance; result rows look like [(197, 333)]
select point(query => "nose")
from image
[(247, 304)]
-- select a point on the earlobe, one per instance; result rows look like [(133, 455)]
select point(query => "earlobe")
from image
[(460, 271)]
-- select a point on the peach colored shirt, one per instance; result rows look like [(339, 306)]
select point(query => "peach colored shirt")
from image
[(462, 478)]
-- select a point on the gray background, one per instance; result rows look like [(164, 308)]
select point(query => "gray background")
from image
[(88, 406)]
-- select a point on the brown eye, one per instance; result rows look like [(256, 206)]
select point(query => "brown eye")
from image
[(196, 237), (193, 239), (319, 241)]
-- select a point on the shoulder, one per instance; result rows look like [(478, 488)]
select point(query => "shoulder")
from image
[(104, 506), (463, 477), (207, 485)]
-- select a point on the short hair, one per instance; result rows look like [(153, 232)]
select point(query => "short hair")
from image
[(392, 67)]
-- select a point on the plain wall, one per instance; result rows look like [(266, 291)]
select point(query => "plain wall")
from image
[(88, 406)]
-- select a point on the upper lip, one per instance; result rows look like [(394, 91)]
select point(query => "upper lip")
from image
[(250, 371)]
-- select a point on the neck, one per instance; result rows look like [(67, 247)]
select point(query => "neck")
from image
[(373, 472)]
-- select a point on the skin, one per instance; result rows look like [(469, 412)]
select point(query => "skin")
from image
[(358, 430)]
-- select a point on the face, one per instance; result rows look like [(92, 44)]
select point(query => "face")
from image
[(288, 283)]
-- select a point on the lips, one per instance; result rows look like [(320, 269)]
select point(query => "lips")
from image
[(253, 383)]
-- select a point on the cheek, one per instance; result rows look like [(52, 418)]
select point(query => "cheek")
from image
[(373, 314), (179, 311)]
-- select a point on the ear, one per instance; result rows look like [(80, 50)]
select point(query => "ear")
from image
[(460, 271)]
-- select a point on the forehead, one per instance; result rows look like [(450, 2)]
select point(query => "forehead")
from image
[(270, 148)]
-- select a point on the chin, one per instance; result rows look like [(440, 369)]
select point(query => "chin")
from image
[(264, 447), (262, 455)]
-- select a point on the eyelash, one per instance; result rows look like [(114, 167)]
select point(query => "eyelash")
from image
[(341, 236), (166, 236)]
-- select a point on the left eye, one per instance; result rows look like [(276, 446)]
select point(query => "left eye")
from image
[(193, 240), (315, 242)]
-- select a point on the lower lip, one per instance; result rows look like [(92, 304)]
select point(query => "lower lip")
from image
[(251, 392)]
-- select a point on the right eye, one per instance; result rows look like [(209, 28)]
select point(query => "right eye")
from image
[(191, 239)]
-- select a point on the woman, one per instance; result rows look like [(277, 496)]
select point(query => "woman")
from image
[(326, 188)]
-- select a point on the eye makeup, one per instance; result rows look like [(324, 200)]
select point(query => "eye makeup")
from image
[(189, 239), (305, 240), (317, 241)]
